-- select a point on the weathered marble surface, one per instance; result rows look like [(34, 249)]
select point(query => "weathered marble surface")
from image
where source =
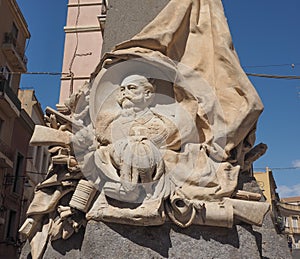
[(168, 241)]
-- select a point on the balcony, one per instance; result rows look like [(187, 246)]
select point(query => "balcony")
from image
[(8, 95), (11, 49), (296, 230)]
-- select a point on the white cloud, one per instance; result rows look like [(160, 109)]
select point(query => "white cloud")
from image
[(288, 191), (296, 163)]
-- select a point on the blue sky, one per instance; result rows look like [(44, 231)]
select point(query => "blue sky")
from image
[(264, 33), (267, 33), (46, 21)]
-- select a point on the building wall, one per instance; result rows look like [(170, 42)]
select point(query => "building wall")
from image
[(17, 183), (16, 126), (7, 117), (37, 160), (10, 17), (290, 211), (13, 186), (83, 43), (263, 181), (286, 219), (267, 184)]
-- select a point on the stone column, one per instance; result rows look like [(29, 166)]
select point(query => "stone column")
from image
[(126, 18)]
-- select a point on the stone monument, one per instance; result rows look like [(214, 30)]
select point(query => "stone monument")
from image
[(155, 152)]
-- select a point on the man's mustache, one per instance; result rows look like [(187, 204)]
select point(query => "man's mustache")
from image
[(123, 98)]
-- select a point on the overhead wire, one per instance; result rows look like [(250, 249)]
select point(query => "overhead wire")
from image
[(38, 73), (70, 73), (278, 168), (292, 77), (272, 65)]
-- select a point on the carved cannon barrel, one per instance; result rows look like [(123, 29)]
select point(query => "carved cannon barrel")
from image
[(83, 195)]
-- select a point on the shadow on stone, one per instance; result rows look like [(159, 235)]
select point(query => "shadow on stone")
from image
[(155, 238), (158, 238), (111, 240), (258, 239), (221, 235), (73, 243)]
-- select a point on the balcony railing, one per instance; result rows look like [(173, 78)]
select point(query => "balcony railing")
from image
[(9, 38), (6, 90), (291, 230), (14, 53), (296, 230)]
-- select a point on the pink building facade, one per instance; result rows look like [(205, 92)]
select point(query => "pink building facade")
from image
[(83, 43)]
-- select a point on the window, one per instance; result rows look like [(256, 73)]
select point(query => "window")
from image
[(9, 77), (18, 174), (295, 222), (45, 162), (38, 158), (286, 220), (5, 76), (1, 125), (11, 227), (32, 153), (14, 32), (297, 241)]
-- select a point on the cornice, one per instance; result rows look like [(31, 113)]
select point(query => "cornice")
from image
[(84, 4), (72, 29)]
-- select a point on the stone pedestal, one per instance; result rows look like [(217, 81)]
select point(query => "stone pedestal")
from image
[(103, 240)]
